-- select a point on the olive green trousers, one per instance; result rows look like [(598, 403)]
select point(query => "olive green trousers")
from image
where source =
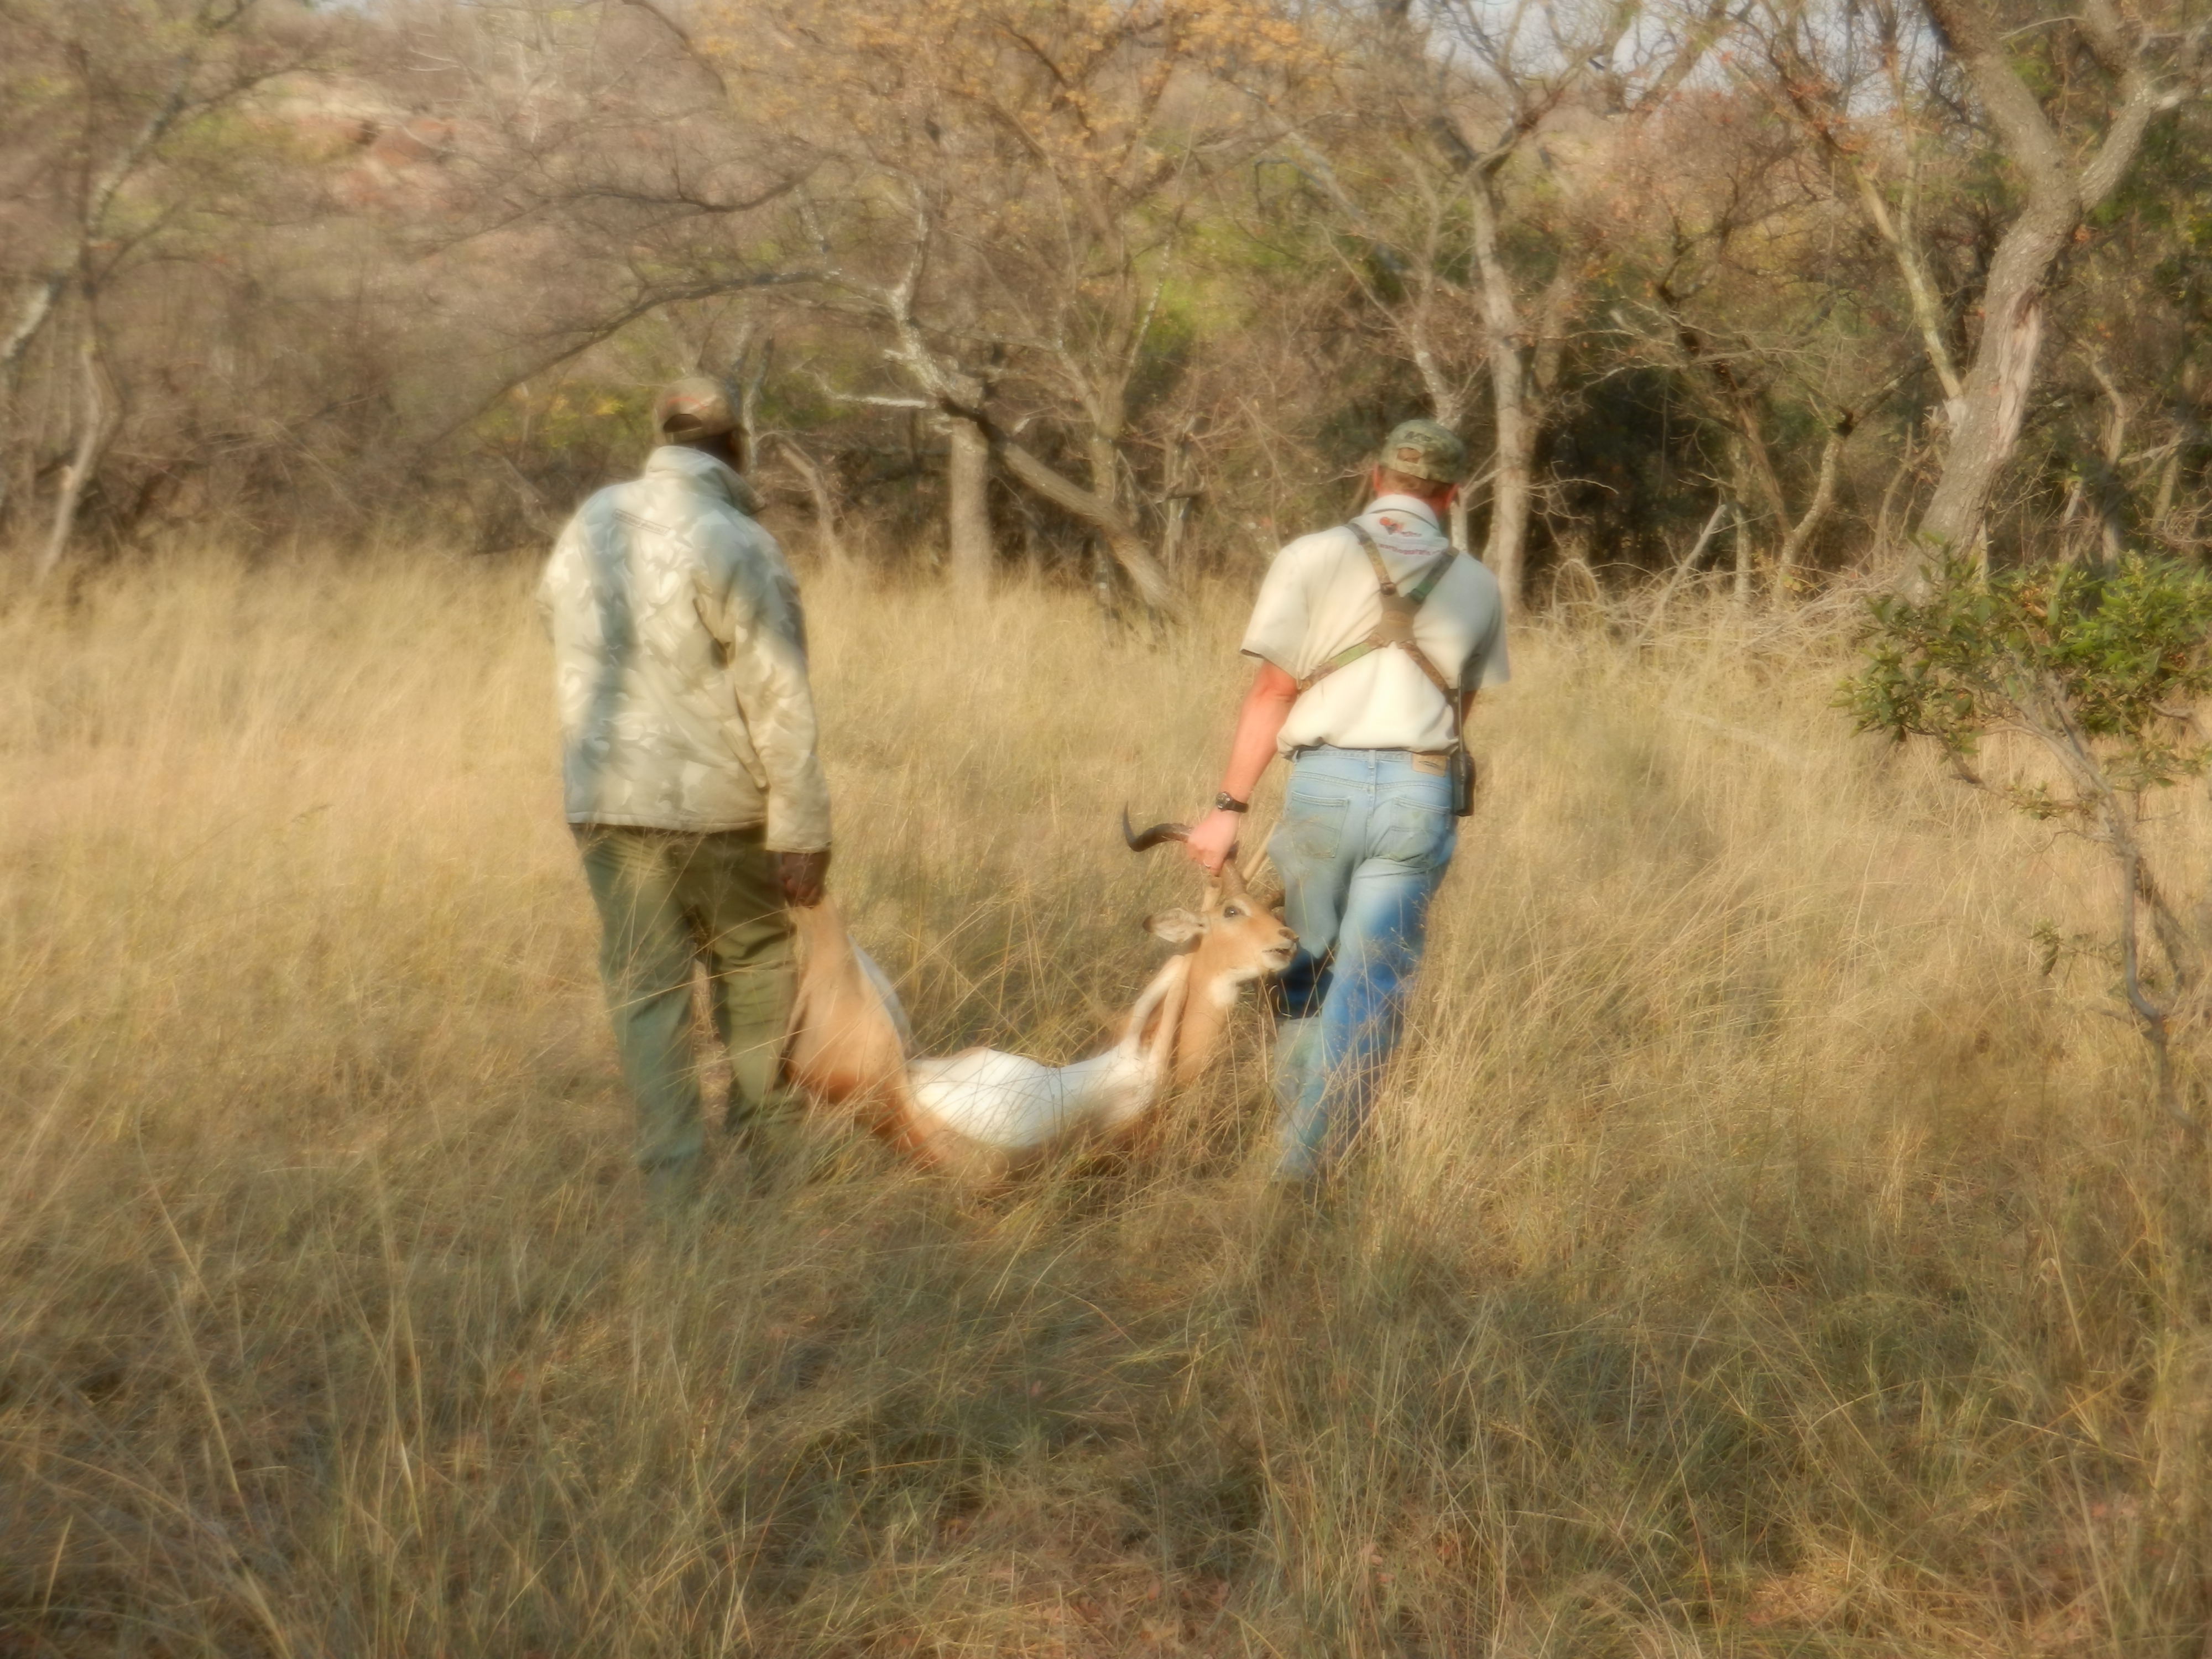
[(668, 899)]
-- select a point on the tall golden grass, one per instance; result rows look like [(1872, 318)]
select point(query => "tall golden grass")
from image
[(1757, 1252)]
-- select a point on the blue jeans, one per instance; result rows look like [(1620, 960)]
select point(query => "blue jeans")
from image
[(1365, 837)]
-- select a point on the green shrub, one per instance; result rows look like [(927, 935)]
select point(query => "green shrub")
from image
[(2102, 667)]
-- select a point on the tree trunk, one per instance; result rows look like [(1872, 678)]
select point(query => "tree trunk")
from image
[(959, 397), (2111, 488), (1523, 372), (38, 298), (2003, 373), (831, 544), (1824, 497), (968, 517), (97, 422), (1180, 488), (1824, 121), (1766, 482), (1745, 560), (1996, 389), (1123, 541), (1902, 235), (1105, 466), (1511, 489), (2169, 478), (1177, 515), (31, 318), (1125, 546)]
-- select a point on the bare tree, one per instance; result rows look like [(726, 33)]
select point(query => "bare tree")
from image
[(2149, 70), (1858, 82), (1000, 193), (1471, 97), (1405, 252), (112, 84), (1531, 74), (1722, 190), (606, 158)]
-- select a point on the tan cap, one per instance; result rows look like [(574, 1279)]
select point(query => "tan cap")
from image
[(693, 407), (1422, 449)]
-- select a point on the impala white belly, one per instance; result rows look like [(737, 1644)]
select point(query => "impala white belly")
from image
[(1013, 1104)]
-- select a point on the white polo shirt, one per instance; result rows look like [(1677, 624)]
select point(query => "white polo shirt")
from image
[(1320, 597)]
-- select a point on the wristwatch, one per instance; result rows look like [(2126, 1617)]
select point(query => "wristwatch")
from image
[(1226, 802)]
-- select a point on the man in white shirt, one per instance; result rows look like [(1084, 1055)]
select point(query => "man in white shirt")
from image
[(1372, 640), (689, 766)]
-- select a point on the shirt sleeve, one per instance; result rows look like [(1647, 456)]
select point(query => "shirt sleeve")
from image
[(1282, 616), (751, 607), (1488, 666)]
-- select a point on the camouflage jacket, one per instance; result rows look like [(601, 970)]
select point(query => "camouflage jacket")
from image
[(680, 661)]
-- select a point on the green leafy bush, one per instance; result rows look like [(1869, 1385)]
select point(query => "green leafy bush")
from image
[(2103, 667), (2107, 659)]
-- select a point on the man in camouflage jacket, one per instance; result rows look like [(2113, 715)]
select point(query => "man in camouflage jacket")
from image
[(689, 766)]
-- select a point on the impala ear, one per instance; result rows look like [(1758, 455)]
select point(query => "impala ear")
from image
[(1176, 926)]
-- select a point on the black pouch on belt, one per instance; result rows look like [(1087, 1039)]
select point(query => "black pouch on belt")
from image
[(1460, 770)]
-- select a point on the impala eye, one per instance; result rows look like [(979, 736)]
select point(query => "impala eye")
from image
[(1232, 910)]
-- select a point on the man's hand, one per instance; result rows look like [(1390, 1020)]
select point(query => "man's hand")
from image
[(1214, 838), (801, 874)]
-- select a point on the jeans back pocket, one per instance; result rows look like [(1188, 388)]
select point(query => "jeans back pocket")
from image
[(1411, 833), (1313, 825)]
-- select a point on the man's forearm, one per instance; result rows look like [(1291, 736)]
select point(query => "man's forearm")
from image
[(1258, 723)]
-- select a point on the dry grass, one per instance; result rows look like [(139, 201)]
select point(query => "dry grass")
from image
[(1757, 1256)]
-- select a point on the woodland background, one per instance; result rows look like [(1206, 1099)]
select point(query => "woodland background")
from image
[(1123, 291)]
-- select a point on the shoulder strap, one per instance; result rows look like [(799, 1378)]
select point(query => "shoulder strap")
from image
[(1419, 592), (1382, 577), (1396, 626)]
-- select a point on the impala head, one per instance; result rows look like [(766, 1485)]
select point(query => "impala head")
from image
[(1239, 934)]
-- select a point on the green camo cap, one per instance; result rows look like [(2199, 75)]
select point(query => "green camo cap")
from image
[(1422, 449), (693, 407)]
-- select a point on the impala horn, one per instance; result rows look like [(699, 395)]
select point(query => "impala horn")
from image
[(1144, 840)]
